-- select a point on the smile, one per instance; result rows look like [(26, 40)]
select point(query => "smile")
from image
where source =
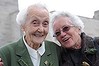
[(38, 35), (66, 39)]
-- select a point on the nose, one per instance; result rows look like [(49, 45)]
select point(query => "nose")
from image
[(63, 33), (40, 28)]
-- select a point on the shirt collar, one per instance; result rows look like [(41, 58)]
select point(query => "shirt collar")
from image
[(40, 50)]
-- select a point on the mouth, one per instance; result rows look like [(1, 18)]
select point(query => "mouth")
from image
[(65, 39), (38, 34)]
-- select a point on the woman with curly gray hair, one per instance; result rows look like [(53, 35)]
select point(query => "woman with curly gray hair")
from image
[(78, 49)]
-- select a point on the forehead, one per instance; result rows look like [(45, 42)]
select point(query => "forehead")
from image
[(61, 21), (37, 12)]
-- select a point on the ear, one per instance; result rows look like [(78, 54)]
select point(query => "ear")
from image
[(22, 28), (79, 31)]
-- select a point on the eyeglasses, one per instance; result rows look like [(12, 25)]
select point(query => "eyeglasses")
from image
[(64, 29)]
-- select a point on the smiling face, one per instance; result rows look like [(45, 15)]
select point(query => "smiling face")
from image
[(36, 26), (66, 33)]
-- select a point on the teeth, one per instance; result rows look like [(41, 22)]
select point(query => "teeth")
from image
[(38, 35), (65, 39)]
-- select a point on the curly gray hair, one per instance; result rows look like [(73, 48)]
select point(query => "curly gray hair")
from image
[(76, 21), (22, 15)]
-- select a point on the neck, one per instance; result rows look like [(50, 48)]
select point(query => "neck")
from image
[(77, 45), (32, 44)]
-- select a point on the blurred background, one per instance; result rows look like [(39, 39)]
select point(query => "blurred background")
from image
[(10, 31)]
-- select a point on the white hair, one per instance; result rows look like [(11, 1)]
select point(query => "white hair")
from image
[(75, 20), (22, 15)]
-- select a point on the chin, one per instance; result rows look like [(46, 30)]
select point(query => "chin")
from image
[(66, 46), (40, 41)]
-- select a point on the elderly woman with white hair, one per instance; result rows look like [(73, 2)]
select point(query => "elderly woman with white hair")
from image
[(32, 49), (78, 48)]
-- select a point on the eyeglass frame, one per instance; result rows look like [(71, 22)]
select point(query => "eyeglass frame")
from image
[(63, 30)]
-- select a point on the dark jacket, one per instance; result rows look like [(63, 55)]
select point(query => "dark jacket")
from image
[(16, 54), (87, 55)]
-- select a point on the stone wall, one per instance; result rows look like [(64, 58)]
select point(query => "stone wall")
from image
[(9, 30), (91, 26), (96, 15)]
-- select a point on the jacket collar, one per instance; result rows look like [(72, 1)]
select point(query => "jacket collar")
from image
[(46, 59), (87, 44), (23, 57)]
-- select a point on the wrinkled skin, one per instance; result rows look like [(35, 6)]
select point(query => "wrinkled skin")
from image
[(36, 26), (68, 39)]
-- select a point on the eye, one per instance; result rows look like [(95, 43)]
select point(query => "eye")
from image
[(66, 28), (57, 33), (35, 23), (45, 23)]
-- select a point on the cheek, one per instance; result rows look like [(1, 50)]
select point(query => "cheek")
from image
[(59, 39), (74, 33), (31, 30), (75, 37), (46, 30)]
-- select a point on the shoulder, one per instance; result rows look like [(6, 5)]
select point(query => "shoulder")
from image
[(96, 39), (8, 47), (53, 47), (46, 41), (51, 43), (11, 45), (6, 51)]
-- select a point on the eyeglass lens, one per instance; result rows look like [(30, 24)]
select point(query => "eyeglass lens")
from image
[(64, 29)]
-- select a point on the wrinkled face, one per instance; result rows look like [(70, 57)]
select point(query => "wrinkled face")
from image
[(36, 26), (66, 33)]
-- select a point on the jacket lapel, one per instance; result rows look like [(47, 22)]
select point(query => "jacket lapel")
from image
[(23, 56), (47, 59)]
